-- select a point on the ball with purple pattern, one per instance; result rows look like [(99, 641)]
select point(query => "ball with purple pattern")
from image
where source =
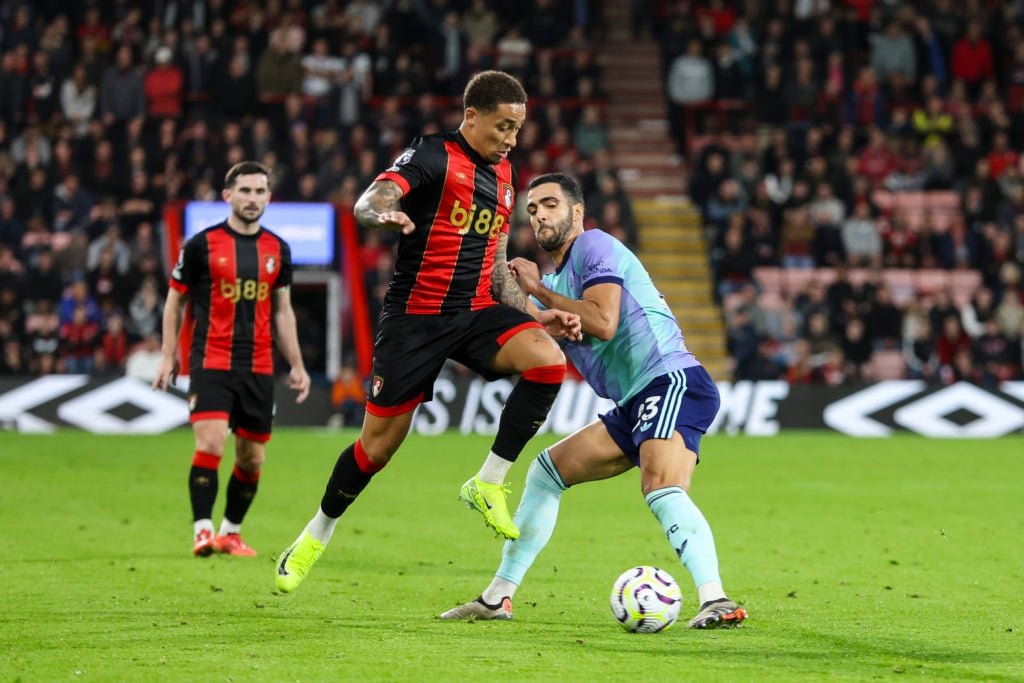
[(646, 600)]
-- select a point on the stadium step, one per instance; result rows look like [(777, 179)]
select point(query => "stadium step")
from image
[(673, 245)]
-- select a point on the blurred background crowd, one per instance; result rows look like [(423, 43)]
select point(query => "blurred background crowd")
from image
[(857, 167), (849, 158)]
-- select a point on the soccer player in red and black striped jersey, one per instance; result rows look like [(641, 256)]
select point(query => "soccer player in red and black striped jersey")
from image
[(452, 296), (236, 277)]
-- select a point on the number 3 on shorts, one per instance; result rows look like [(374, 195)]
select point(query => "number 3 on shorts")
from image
[(646, 412)]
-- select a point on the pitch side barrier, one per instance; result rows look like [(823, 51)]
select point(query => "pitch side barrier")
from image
[(463, 403)]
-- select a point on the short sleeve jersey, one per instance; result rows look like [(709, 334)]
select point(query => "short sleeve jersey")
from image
[(460, 204), (648, 342), (229, 279)]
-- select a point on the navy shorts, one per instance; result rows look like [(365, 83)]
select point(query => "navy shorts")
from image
[(684, 401), (411, 349)]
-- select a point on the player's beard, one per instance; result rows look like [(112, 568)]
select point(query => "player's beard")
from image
[(561, 230), (240, 215)]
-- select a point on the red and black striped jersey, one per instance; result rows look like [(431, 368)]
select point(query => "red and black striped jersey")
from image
[(229, 279), (460, 203)]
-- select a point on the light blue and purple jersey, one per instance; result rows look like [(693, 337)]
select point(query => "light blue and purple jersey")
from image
[(648, 342)]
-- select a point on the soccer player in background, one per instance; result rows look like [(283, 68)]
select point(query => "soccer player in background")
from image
[(632, 352), (236, 276), (451, 296)]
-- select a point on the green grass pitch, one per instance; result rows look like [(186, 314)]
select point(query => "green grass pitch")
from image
[(858, 560)]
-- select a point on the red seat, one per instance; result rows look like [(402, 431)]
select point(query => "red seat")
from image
[(886, 364), (770, 279)]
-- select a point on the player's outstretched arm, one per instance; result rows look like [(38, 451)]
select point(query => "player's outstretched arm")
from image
[(379, 207), (287, 338), (598, 310), (559, 324), (167, 371)]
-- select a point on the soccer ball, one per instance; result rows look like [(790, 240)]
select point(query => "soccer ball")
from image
[(646, 600)]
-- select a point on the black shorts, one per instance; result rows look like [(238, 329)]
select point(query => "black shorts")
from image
[(244, 399), (410, 351)]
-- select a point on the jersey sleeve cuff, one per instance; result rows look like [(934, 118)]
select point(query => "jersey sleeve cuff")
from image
[(603, 280), (177, 286), (396, 178)]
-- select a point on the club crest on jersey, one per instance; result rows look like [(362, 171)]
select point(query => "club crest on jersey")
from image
[(270, 263), (193, 399), (378, 384), (507, 195)]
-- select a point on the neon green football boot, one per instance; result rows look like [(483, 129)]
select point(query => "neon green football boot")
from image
[(296, 561), (489, 500)]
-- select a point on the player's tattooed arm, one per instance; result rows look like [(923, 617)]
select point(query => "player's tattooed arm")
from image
[(380, 207), (503, 284)]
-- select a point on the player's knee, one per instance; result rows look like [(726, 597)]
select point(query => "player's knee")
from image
[(547, 370), (379, 450)]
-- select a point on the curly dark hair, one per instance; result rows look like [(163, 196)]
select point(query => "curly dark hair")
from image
[(488, 89)]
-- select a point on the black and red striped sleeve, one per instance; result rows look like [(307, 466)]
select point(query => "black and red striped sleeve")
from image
[(420, 163), (284, 278), (191, 262)]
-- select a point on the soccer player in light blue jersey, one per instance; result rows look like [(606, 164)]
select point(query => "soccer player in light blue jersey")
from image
[(632, 352)]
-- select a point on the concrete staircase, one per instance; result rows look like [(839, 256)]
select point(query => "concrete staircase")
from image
[(672, 243)]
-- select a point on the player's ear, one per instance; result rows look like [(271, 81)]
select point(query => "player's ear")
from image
[(225, 194), (577, 212)]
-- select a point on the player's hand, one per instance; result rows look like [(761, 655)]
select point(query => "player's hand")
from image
[(298, 379), (166, 373), (396, 220), (526, 273), (561, 324)]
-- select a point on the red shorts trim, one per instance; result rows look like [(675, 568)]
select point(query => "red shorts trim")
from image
[(208, 415), (545, 374), (208, 461), (246, 477), (391, 411), (516, 330), (252, 436)]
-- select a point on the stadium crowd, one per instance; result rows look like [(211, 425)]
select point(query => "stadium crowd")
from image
[(110, 112), (857, 165), (841, 141)]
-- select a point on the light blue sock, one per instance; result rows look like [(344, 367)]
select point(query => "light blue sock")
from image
[(687, 531), (535, 517)]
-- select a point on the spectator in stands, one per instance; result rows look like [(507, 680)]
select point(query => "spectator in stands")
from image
[(952, 339), (79, 339), (861, 239), (884, 320), (146, 310), (743, 345), (279, 71), (348, 397), (856, 348), (919, 350), (978, 311), (827, 214), (972, 60), (480, 24), (691, 81), (78, 100), (797, 232), (164, 86), (122, 95), (994, 354)]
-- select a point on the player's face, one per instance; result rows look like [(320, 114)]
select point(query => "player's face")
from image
[(249, 196), (552, 217), (493, 134)]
